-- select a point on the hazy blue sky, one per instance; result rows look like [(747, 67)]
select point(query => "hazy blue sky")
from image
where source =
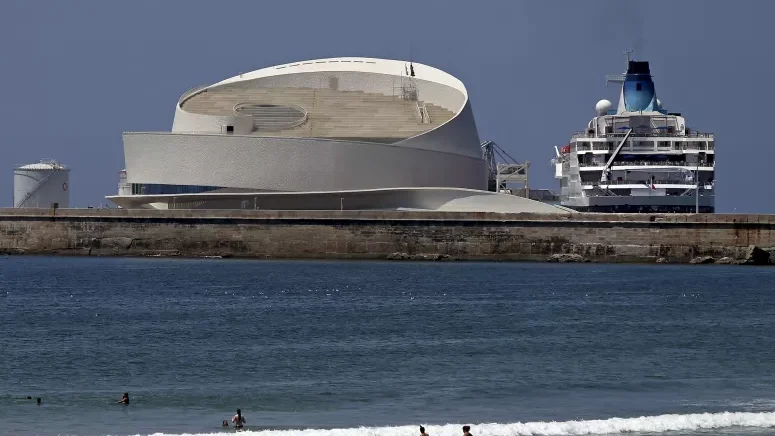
[(76, 74)]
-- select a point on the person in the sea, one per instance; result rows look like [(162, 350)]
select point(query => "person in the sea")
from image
[(225, 423), (124, 398), (466, 430), (239, 420), (37, 400), (422, 431)]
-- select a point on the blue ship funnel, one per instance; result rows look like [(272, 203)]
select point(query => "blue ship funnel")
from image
[(638, 89)]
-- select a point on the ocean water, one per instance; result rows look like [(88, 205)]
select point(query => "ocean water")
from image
[(377, 348)]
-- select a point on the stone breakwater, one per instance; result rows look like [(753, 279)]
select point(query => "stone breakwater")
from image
[(385, 235)]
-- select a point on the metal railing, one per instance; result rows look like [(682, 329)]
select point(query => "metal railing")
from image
[(646, 163), (649, 183), (595, 147), (683, 145), (192, 92), (37, 187), (701, 146), (425, 117), (659, 134)]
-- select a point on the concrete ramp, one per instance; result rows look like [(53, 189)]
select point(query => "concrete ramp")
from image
[(499, 203)]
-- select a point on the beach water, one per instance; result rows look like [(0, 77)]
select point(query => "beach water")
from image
[(321, 348)]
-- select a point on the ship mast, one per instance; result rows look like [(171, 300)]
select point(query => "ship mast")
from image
[(619, 78)]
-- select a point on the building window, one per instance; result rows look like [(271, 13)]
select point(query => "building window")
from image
[(159, 189)]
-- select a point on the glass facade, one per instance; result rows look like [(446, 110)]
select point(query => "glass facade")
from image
[(157, 189)]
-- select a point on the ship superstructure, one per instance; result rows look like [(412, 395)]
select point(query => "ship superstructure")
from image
[(637, 157)]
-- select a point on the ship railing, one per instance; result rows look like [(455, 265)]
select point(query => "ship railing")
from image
[(683, 145), (703, 194), (698, 146), (593, 147), (647, 163), (652, 134), (703, 185), (599, 191)]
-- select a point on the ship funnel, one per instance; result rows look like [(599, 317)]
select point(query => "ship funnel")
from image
[(638, 89)]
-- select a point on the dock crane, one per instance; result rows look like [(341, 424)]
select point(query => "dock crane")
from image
[(501, 174)]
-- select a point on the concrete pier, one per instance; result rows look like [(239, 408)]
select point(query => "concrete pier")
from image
[(380, 234)]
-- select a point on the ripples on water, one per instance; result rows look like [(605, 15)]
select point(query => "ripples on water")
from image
[(384, 345)]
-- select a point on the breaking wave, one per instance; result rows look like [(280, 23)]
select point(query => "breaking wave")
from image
[(645, 424)]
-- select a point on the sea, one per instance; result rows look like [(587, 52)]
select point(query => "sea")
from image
[(357, 348)]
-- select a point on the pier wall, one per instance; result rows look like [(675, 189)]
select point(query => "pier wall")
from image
[(378, 234)]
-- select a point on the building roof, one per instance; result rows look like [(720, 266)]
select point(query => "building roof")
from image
[(320, 113), (360, 99), (43, 165), (353, 64)]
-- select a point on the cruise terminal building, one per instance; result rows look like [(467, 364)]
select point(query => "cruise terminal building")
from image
[(326, 134)]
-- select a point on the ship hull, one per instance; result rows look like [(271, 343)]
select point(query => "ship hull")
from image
[(643, 204)]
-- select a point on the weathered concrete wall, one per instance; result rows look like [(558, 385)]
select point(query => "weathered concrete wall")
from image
[(368, 235)]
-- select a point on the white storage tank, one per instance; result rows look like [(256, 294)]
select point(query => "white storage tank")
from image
[(45, 184)]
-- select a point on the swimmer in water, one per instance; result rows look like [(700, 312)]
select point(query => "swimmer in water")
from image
[(466, 430), (37, 400), (225, 423), (422, 431), (239, 420), (124, 398)]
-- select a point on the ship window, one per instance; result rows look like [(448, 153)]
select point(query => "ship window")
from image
[(229, 129), (638, 87)]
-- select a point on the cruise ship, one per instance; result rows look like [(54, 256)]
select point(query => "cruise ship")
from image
[(638, 157)]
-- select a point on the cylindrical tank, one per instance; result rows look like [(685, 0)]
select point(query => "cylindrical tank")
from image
[(44, 184)]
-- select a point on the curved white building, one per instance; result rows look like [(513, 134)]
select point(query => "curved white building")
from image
[(359, 126)]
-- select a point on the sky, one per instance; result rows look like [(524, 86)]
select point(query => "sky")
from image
[(77, 73)]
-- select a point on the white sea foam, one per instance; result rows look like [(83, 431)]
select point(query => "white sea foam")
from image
[(646, 424)]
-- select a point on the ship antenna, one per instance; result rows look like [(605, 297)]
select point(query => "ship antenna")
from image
[(619, 78)]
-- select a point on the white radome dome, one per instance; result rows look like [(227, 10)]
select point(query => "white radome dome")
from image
[(602, 107)]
